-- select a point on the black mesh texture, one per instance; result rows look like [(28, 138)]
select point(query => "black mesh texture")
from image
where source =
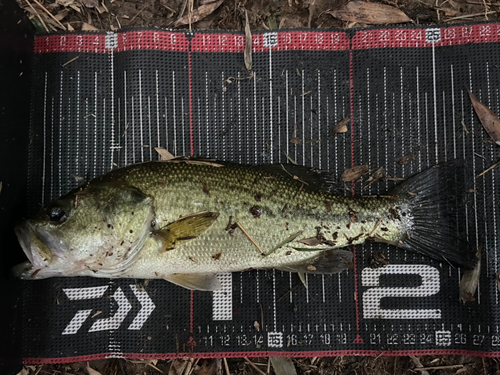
[(111, 108)]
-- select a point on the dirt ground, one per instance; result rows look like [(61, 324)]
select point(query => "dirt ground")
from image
[(443, 365), (111, 15), (230, 14)]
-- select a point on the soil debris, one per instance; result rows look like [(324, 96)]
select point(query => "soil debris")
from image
[(355, 172), (164, 154), (198, 14), (377, 175), (341, 127), (405, 159), (378, 260), (370, 13)]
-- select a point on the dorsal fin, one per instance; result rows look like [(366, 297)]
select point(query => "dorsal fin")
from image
[(315, 179)]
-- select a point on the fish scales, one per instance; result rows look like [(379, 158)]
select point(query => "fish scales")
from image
[(284, 206)]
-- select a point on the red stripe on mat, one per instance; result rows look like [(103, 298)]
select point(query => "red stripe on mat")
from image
[(332, 353), (280, 41)]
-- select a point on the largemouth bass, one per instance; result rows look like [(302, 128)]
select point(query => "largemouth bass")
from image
[(185, 220)]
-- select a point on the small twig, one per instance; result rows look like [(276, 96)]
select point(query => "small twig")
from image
[(417, 363), (118, 22), (305, 93), (153, 366), (139, 12), (253, 366), (190, 13), (486, 8), (50, 14), (394, 179), (375, 228), (249, 237), (70, 61), (469, 16), (226, 366), (292, 176), (170, 9), (39, 17), (289, 291), (489, 169), (194, 365), (268, 366), (438, 367), (183, 8), (465, 128)]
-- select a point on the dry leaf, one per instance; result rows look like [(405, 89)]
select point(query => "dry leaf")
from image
[(177, 367), (164, 154), (449, 12), (62, 14), (354, 173), (370, 13), (208, 368), (283, 366), (64, 3), (470, 281), (405, 159), (198, 14), (90, 3), (341, 127), (87, 27), (91, 371), (248, 44), (24, 371), (377, 175), (490, 121)]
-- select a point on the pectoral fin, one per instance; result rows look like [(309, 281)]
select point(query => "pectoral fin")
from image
[(195, 281), (185, 229)]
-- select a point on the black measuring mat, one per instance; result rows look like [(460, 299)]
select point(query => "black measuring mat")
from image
[(102, 101)]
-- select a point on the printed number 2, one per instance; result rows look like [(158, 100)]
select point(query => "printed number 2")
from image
[(371, 298)]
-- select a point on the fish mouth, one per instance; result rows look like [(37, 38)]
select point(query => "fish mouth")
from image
[(37, 250)]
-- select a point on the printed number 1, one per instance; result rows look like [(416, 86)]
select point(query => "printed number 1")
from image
[(371, 298)]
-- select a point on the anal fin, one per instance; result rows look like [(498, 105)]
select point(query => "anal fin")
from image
[(328, 261), (195, 281)]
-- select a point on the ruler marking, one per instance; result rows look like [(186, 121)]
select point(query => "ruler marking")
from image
[(183, 116), (319, 119), (435, 102), (303, 122), (125, 116), (175, 114), (287, 115), (149, 124), (158, 144), (95, 125), (271, 112), (45, 135), (140, 115)]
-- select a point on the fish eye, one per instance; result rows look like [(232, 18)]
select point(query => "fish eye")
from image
[(57, 214)]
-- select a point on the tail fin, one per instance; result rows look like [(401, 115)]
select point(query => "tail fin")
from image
[(437, 199)]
